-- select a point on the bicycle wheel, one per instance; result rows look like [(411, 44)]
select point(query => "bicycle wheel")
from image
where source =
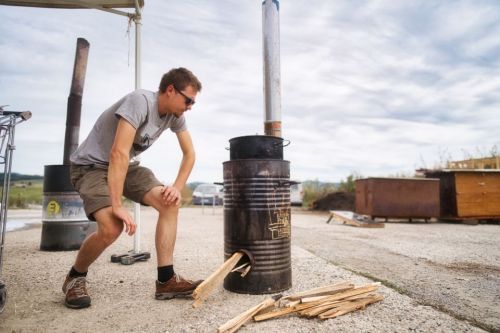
[(3, 296)]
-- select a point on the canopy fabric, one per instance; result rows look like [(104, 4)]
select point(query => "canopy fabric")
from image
[(69, 5)]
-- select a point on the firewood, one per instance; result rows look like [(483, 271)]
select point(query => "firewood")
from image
[(240, 267), (316, 310), (322, 307), (330, 289), (234, 324), (203, 290), (331, 298), (356, 305), (348, 293), (245, 272), (273, 314), (292, 304)]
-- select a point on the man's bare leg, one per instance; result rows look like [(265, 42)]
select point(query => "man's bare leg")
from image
[(166, 226), (169, 284), (109, 228)]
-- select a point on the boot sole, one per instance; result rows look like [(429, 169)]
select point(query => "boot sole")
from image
[(178, 294), (76, 306)]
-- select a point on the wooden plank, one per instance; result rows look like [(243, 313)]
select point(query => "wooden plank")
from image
[(478, 204), (477, 182), (356, 305), (353, 221), (330, 289), (235, 323), (203, 290)]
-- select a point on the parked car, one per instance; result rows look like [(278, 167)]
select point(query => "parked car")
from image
[(208, 194), (296, 194)]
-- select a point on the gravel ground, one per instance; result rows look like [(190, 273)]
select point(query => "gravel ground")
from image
[(122, 296)]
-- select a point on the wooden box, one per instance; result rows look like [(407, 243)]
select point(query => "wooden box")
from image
[(469, 193), (398, 197)]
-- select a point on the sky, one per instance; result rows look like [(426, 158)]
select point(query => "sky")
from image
[(372, 88)]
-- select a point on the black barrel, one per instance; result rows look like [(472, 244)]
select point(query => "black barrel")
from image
[(64, 223), (257, 220), (256, 147)]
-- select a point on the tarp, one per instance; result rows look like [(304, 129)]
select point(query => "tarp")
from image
[(68, 4)]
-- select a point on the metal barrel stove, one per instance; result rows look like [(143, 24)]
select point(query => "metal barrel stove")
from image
[(257, 216), (64, 223)]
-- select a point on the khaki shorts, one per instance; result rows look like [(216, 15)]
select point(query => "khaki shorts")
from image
[(91, 182)]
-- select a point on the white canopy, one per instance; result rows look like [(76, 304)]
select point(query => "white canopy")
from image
[(73, 4)]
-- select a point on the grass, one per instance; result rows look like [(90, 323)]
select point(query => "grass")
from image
[(25, 192)]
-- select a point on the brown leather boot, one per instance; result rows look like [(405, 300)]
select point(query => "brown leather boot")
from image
[(75, 289), (177, 286)]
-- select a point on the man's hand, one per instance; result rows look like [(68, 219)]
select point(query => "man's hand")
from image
[(123, 214), (171, 196)]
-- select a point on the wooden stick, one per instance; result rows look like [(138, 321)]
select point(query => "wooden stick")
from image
[(245, 272), (240, 267), (315, 310), (292, 304), (359, 304), (241, 319), (273, 314), (331, 298), (330, 289), (203, 290)]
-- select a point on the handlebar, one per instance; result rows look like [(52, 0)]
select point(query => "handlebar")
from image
[(24, 115)]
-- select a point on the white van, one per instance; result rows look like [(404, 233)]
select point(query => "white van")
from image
[(296, 194)]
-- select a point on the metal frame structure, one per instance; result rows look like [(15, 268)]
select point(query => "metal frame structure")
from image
[(8, 122), (107, 6)]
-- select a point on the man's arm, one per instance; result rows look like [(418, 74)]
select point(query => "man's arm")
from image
[(117, 171), (172, 194)]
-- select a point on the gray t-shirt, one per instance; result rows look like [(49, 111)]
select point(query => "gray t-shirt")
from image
[(140, 109)]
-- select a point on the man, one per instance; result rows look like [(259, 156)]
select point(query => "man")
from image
[(103, 169)]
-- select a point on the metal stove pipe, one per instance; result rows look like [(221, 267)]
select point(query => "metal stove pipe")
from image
[(272, 77), (74, 110)]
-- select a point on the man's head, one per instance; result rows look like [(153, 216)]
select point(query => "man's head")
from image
[(178, 89)]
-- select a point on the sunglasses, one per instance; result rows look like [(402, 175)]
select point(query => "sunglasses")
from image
[(187, 100)]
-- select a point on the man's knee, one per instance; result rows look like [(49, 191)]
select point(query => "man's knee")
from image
[(172, 210), (110, 233), (109, 228)]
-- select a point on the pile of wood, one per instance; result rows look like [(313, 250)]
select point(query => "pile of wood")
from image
[(324, 302)]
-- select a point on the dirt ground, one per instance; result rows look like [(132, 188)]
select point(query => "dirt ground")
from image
[(436, 277)]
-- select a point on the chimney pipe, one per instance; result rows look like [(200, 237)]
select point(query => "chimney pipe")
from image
[(272, 78), (74, 109)]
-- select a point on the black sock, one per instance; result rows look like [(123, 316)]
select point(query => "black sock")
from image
[(165, 273), (74, 273)]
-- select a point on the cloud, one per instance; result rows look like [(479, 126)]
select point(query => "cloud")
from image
[(374, 87)]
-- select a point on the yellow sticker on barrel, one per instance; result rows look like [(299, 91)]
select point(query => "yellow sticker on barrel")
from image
[(53, 207)]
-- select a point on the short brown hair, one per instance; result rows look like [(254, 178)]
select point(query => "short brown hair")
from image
[(180, 78)]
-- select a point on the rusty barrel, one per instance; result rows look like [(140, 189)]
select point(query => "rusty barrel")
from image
[(64, 223), (257, 221)]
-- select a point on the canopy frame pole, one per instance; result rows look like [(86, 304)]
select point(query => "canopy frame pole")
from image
[(137, 18), (138, 23)]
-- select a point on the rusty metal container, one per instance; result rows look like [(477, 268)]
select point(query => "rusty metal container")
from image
[(398, 197), (469, 193), (257, 222)]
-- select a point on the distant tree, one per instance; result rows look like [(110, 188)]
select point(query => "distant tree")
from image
[(349, 185)]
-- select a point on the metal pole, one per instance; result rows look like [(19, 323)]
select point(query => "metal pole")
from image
[(137, 206), (74, 109), (272, 79), (9, 134)]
